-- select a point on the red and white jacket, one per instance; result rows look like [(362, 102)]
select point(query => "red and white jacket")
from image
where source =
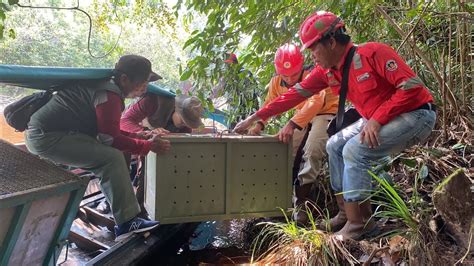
[(381, 85)]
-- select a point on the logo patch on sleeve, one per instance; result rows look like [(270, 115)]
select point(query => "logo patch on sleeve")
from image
[(391, 65)]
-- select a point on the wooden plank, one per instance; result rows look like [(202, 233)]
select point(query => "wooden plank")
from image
[(86, 243), (98, 218), (93, 188)]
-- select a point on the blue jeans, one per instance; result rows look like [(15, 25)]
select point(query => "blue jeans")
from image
[(349, 160)]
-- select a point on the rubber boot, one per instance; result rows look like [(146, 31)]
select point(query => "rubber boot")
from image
[(337, 222), (358, 223), (302, 195)]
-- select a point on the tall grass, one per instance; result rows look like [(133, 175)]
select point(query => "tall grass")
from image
[(287, 243), (413, 212), (391, 204)]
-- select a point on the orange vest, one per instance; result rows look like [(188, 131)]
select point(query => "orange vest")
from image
[(324, 102)]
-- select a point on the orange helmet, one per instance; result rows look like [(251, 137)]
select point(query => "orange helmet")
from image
[(288, 60), (318, 26)]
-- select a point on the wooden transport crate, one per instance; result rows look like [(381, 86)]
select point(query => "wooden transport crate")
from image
[(217, 178)]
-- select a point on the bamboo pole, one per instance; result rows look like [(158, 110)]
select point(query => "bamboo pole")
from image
[(448, 73), (471, 56), (462, 57), (462, 54), (443, 95)]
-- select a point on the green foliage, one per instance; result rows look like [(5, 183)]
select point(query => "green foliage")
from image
[(239, 88), (231, 23), (256, 29), (59, 37), (4, 8)]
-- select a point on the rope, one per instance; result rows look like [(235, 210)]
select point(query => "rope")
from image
[(90, 25)]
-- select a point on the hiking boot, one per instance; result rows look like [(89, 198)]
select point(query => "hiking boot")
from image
[(301, 197), (136, 225), (358, 225), (337, 222)]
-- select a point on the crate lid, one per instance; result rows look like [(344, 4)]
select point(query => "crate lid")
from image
[(215, 138), (21, 171)]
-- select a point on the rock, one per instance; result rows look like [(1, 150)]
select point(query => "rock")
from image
[(454, 201)]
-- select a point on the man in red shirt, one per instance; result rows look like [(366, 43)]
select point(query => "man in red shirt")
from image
[(396, 108)]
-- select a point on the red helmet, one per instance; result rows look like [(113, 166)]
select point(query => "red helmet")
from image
[(288, 60), (317, 26)]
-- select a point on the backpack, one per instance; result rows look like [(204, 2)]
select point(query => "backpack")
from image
[(350, 116), (18, 114)]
